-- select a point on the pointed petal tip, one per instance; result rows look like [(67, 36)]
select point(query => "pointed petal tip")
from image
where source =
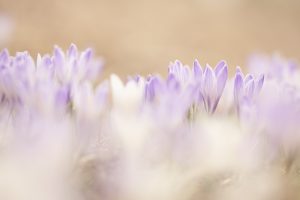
[(72, 51), (221, 64)]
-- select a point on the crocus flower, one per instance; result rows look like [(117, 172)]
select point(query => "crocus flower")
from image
[(65, 134), (58, 75), (211, 84), (246, 88)]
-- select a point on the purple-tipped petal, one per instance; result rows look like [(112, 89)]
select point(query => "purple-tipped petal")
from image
[(249, 88), (219, 67), (72, 51), (46, 61), (86, 56), (238, 87), (208, 87), (153, 85), (221, 80), (59, 57), (4, 56), (197, 70), (171, 68), (101, 93), (172, 82), (238, 70), (63, 96), (136, 78), (208, 79), (249, 77), (259, 84), (185, 73)]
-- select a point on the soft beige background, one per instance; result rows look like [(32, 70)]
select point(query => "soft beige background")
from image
[(139, 36)]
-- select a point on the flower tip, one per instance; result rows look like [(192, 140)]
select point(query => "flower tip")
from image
[(197, 69), (4, 55), (260, 82), (238, 69), (58, 52), (220, 66), (72, 51), (87, 54)]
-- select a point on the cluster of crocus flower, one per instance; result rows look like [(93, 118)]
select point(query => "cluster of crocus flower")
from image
[(196, 134)]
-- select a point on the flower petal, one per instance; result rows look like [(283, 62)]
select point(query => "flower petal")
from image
[(238, 87), (219, 67)]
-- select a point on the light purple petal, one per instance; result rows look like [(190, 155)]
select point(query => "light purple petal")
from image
[(259, 84), (197, 70), (101, 93), (72, 51), (208, 87), (86, 56), (208, 80), (248, 78), (221, 80), (238, 70), (59, 57), (219, 67), (172, 82), (63, 96), (249, 88), (4, 56), (238, 87)]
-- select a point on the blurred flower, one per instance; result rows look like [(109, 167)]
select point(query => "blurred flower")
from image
[(246, 88), (65, 134)]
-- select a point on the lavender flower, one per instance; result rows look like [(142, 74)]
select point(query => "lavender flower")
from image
[(65, 134), (208, 85), (21, 77), (246, 88), (212, 83)]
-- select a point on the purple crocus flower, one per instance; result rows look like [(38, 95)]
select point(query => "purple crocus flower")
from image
[(181, 72), (21, 75), (153, 86), (246, 88), (211, 84), (274, 67)]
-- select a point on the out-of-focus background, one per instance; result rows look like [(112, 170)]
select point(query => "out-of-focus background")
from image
[(139, 36)]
